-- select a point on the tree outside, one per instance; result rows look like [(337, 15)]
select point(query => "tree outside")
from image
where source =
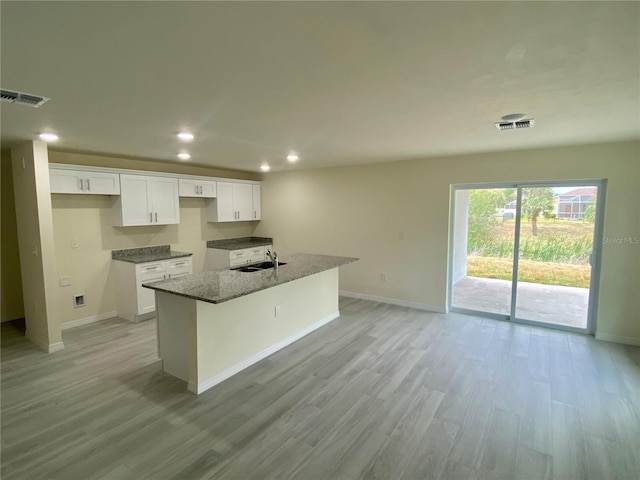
[(553, 251), (536, 202)]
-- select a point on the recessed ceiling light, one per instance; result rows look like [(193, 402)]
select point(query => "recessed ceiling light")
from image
[(48, 137), (184, 156), (265, 168), (292, 157), (185, 136)]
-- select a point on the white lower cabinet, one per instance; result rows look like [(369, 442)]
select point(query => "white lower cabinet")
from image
[(217, 258), (147, 200), (134, 302)]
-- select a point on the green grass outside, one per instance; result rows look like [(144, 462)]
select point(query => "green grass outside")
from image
[(558, 255), (530, 271)]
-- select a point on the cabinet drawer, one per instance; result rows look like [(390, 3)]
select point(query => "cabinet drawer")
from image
[(238, 254), (179, 267), (145, 270)]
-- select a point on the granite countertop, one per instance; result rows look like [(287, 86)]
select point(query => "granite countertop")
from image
[(147, 254), (239, 243), (217, 286)]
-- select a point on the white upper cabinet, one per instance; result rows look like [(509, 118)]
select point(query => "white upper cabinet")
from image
[(83, 182), (257, 203), (234, 203), (147, 200), (243, 201), (193, 187)]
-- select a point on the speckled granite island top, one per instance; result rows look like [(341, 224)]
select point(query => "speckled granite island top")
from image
[(219, 286), (239, 243), (147, 254)]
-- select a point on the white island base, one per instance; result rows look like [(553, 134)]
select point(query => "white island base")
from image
[(205, 343)]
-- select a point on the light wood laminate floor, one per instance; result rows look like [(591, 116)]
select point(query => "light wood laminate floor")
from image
[(381, 392)]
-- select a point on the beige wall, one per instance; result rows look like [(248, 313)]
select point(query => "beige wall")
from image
[(88, 218), (35, 239), (146, 165), (11, 280), (361, 211)]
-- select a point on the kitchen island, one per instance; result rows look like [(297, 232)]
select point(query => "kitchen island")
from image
[(212, 325)]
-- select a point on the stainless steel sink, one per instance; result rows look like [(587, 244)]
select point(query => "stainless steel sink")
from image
[(258, 267), (248, 269), (265, 265)]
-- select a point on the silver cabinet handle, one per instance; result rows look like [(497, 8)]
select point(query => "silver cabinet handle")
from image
[(82, 184), (156, 217), (88, 186), (200, 188), (150, 217)]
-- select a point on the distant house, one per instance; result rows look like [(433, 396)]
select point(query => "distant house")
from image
[(571, 205)]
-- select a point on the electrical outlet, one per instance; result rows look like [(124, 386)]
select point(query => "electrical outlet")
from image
[(383, 276), (276, 311), (74, 243), (78, 300), (65, 281)]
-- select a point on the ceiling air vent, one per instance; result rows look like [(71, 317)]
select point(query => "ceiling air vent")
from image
[(22, 98), (525, 124), (505, 126), (514, 121)]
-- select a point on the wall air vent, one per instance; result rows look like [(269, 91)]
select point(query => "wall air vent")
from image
[(22, 98)]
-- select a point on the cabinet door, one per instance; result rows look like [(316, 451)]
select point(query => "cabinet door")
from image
[(243, 201), (187, 188), (147, 273), (166, 207), (208, 189), (224, 202), (257, 204), (65, 181), (135, 200), (99, 183)]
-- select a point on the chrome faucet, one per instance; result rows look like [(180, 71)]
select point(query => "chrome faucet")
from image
[(274, 258)]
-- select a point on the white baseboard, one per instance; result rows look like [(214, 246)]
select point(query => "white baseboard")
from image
[(393, 301), (618, 339), (88, 320), (47, 347), (207, 384)]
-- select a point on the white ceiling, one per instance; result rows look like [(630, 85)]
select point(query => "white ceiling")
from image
[(339, 82)]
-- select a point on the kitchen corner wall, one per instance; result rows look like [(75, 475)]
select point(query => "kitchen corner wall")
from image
[(395, 218), (88, 219), (11, 307)]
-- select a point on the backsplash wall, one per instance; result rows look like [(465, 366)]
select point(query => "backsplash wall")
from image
[(88, 219)]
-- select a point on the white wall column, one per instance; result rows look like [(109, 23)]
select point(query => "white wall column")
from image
[(36, 244), (460, 235)]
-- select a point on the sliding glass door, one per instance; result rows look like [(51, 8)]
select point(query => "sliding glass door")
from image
[(526, 252)]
